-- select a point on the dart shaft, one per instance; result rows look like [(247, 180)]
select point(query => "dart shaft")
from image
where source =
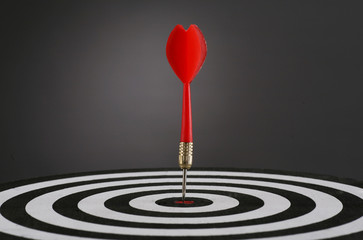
[(186, 128)]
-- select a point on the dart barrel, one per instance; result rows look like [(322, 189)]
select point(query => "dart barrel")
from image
[(185, 155)]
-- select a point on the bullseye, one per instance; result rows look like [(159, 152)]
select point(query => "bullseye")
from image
[(185, 202), (220, 204), (189, 202)]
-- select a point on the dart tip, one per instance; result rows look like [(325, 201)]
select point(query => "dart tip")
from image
[(184, 183)]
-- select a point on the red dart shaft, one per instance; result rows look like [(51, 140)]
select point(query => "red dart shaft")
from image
[(186, 129)]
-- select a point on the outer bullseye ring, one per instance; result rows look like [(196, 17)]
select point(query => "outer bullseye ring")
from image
[(41, 206)]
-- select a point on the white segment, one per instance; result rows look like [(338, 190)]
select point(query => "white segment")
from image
[(41, 208), (14, 229), (148, 202), (273, 204)]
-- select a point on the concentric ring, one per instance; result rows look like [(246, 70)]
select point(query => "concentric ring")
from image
[(272, 220), (148, 203)]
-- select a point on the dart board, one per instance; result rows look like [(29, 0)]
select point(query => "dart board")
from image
[(145, 204)]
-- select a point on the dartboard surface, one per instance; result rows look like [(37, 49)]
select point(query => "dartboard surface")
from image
[(145, 204)]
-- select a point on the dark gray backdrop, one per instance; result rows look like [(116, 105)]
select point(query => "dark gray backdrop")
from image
[(85, 85)]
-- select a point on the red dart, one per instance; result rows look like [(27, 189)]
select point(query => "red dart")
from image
[(186, 51)]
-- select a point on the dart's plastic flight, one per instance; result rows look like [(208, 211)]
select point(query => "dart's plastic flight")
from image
[(186, 51)]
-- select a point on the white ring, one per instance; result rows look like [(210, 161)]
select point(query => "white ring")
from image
[(148, 203), (273, 204), (14, 229)]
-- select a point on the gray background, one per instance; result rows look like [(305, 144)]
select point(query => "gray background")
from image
[(85, 85)]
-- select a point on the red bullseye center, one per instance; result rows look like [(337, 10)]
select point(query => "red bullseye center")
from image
[(184, 202)]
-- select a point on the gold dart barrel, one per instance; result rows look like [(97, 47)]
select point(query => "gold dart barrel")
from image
[(185, 155)]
